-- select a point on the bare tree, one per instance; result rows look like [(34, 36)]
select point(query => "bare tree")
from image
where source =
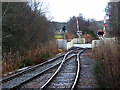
[(26, 25)]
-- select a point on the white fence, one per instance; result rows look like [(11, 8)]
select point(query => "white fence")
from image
[(70, 44), (96, 43), (79, 40), (63, 44)]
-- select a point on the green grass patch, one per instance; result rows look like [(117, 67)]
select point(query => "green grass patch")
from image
[(45, 55), (26, 62), (58, 36), (100, 75)]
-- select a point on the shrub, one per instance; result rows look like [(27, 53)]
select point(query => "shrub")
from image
[(45, 55), (92, 33), (27, 61), (20, 66)]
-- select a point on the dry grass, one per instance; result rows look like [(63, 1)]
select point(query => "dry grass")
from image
[(39, 54), (108, 64)]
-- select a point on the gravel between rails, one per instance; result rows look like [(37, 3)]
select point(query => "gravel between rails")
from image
[(39, 81), (65, 77)]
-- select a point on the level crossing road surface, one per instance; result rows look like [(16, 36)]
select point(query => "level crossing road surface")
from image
[(83, 45)]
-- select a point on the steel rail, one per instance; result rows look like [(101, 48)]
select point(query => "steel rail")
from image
[(18, 85), (78, 70), (59, 68), (29, 69)]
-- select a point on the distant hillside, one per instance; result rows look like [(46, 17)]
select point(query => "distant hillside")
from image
[(101, 22)]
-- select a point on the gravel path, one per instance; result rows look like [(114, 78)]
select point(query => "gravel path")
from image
[(87, 77)]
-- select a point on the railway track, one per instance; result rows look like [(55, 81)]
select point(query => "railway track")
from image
[(66, 76), (51, 61), (45, 72)]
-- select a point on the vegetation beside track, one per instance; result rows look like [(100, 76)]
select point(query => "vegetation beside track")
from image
[(108, 56), (107, 69), (31, 57)]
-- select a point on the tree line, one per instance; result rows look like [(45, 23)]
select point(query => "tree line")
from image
[(24, 25), (89, 26), (113, 12)]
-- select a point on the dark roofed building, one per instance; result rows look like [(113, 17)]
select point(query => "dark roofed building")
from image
[(57, 26)]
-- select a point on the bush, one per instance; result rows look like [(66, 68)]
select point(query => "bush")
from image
[(45, 55), (92, 33), (20, 66), (27, 61)]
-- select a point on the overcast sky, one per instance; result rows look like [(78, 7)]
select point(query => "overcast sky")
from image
[(62, 10)]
